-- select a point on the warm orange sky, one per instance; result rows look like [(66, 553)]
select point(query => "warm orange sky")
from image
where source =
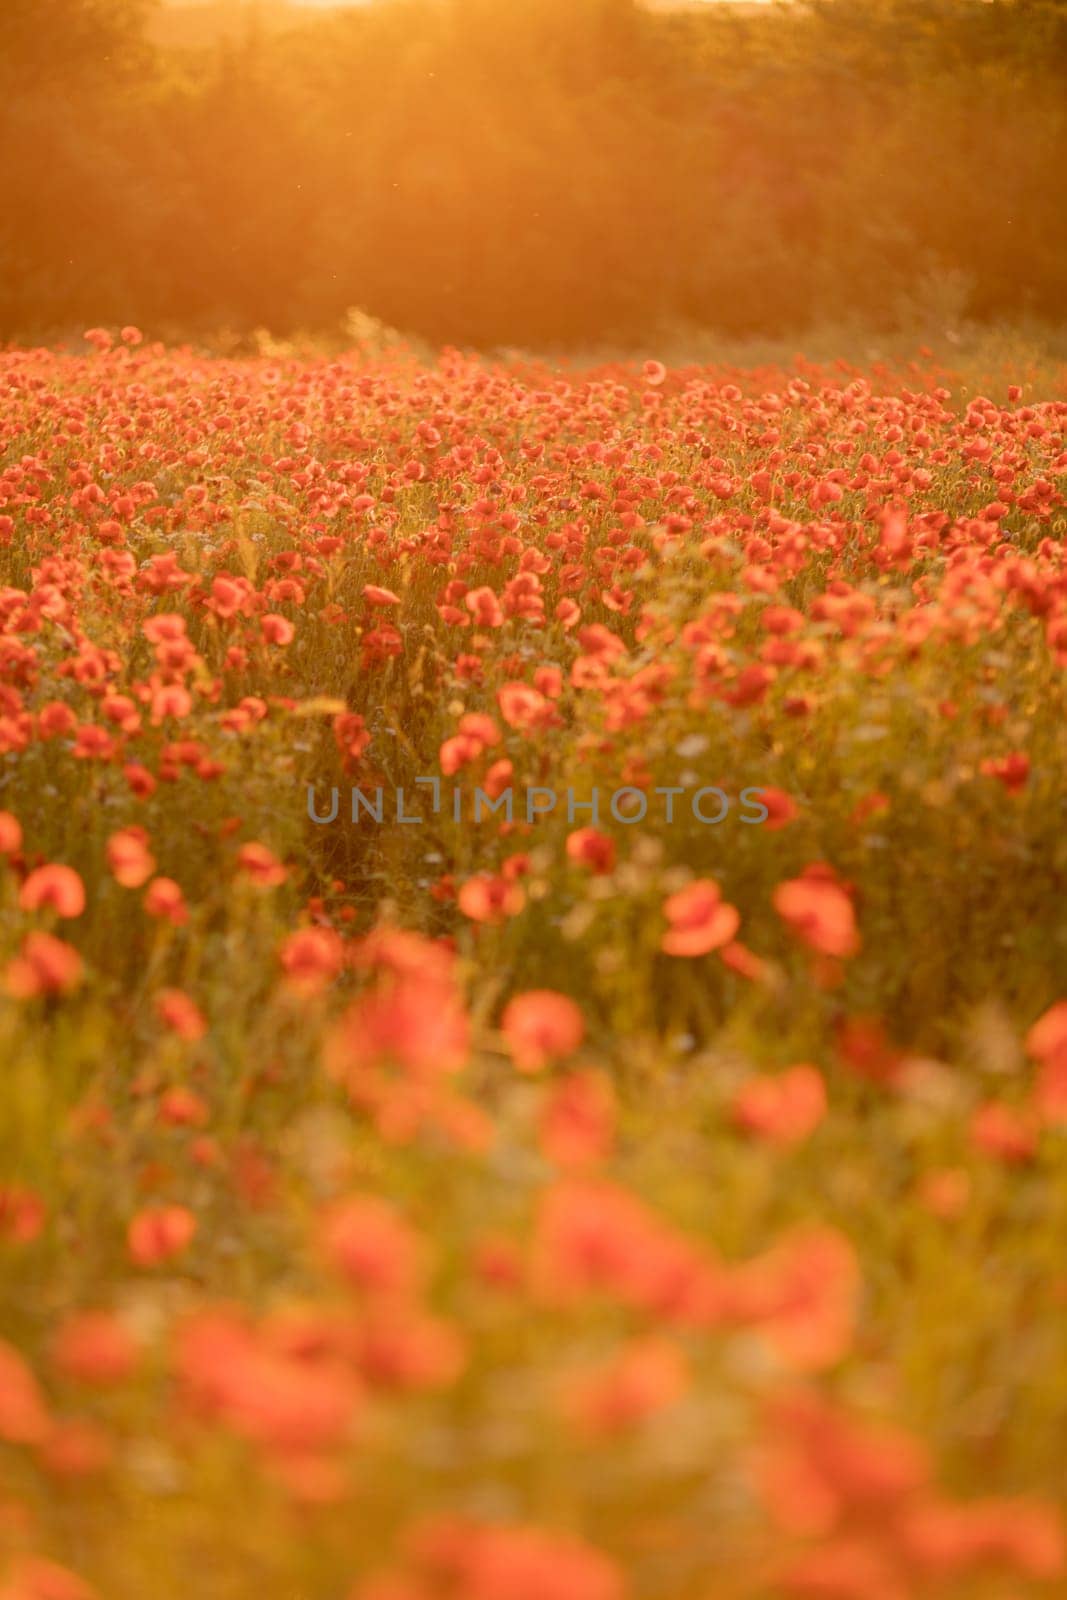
[(327, 4), (369, 2)]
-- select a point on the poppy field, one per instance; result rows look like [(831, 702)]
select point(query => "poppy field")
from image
[(533, 980)]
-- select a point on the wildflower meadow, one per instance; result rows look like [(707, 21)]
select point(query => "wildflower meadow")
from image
[(628, 1198)]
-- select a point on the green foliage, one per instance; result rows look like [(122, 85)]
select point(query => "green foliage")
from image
[(545, 172)]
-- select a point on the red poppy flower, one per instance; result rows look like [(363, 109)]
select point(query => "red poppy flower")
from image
[(177, 1012), (33, 1578), (367, 1240), (587, 847), (578, 1119), (740, 959), (522, 706), (276, 629), (781, 807), (94, 1347), (415, 1023), (490, 1562), (56, 887), (23, 1414), (700, 920), (164, 899), (44, 966), (486, 898), (22, 1213), (643, 1378), (803, 1297), (541, 1026), (1005, 1132), (1047, 1038), (261, 865), (1013, 771), (311, 958), (160, 1233), (10, 834), (128, 856), (783, 1108), (820, 914)]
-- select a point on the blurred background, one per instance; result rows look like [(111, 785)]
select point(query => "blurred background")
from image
[(532, 173)]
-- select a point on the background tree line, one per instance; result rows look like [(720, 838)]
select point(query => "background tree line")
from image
[(532, 171)]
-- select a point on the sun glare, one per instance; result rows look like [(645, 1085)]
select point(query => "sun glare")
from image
[(533, 800)]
